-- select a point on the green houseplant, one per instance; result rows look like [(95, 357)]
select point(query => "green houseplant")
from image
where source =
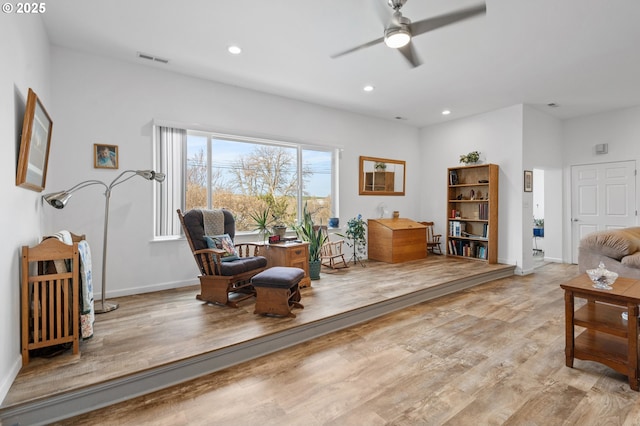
[(262, 222), (314, 235), (470, 158), (380, 166), (356, 237)]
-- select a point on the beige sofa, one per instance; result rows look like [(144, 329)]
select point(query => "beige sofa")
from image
[(619, 249)]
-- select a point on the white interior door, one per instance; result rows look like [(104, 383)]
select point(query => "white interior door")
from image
[(603, 196)]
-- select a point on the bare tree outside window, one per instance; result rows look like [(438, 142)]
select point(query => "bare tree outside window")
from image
[(249, 178)]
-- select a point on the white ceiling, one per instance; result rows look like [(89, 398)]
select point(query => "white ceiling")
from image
[(581, 54)]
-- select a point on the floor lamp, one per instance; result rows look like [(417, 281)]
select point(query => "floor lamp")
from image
[(59, 200)]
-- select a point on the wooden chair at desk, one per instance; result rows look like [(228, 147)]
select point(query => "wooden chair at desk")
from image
[(433, 240)]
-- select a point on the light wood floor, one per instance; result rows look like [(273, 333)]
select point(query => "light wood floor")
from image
[(491, 355), (156, 329)]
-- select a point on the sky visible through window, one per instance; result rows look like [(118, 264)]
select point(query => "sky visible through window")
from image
[(226, 153)]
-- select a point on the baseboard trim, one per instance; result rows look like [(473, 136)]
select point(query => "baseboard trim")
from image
[(76, 402)]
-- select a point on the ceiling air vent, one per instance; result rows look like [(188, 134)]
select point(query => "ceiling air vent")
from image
[(152, 58)]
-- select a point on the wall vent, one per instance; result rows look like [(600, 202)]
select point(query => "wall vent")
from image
[(152, 58)]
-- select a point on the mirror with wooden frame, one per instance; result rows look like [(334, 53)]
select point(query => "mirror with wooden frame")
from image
[(381, 176)]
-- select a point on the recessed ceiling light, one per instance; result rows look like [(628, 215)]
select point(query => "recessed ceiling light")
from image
[(368, 88), (234, 50), (446, 112)]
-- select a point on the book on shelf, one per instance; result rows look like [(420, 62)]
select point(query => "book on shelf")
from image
[(483, 211), (453, 177), (456, 228), (468, 249)]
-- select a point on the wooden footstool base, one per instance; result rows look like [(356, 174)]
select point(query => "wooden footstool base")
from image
[(277, 291)]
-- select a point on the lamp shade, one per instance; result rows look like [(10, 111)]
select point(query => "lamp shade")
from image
[(151, 175), (57, 199)]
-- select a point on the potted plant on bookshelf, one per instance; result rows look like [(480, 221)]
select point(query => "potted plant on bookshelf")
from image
[(380, 166), (309, 232), (471, 158)]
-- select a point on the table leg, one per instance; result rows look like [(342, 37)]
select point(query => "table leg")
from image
[(632, 311), (569, 329)]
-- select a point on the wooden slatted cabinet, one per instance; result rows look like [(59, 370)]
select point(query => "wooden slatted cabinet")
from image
[(50, 299)]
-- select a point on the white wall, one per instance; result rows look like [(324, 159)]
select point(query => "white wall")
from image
[(24, 50), (620, 129), (498, 137), (101, 100), (542, 138), (516, 138)]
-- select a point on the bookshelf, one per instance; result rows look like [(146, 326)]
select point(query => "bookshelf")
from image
[(472, 212), (379, 181)]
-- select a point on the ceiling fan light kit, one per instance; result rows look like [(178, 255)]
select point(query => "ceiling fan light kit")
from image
[(396, 37), (400, 30)]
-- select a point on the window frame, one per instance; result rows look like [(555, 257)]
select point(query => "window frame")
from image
[(210, 135)]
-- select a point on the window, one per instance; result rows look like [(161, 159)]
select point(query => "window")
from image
[(247, 176)]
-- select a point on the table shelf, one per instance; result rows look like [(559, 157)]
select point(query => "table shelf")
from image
[(602, 317), (604, 348)]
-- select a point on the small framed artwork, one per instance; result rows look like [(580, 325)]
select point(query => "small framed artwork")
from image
[(105, 156), (528, 181), (34, 145)]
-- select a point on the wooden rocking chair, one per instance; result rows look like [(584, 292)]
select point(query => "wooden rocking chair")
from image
[(332, 254), (225, 283)]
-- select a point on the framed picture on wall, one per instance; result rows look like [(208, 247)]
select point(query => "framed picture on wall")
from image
[(34, 145), (528, 181), (105, 156)]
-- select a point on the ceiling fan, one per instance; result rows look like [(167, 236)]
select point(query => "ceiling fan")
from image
[(400, 30)]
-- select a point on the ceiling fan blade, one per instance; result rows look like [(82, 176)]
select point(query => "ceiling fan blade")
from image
[(410, 55), (362, 46), (430, 24)]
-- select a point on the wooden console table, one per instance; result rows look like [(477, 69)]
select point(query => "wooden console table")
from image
[(608, 338), (289, 254)]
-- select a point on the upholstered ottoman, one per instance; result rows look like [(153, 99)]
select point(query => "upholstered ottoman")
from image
[(277, 291)]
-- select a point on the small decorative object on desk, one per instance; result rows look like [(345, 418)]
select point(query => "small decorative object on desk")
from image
[(601, 277), (334, 222)]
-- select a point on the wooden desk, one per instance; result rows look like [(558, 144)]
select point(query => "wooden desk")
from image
[(607, 338), (289, 254), (396, 240)]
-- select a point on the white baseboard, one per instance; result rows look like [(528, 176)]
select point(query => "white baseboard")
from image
[(7, 381), (147, 289)]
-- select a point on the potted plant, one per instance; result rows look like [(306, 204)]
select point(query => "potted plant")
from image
[(279, 229), (470, 158), (314, 235), (538, 227), (262, 221), (356, 237), (380, 166), (278, 209)]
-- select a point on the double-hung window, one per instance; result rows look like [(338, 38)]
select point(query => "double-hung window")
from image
[(248, 176)]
